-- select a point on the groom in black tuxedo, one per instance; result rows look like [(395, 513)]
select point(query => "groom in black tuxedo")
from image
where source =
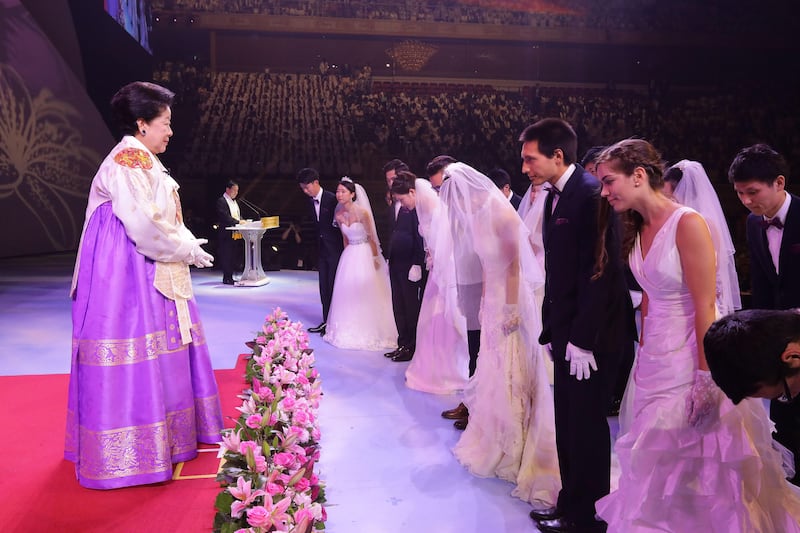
[(758, 174), (323, 204), (587, 319), (406, 259)]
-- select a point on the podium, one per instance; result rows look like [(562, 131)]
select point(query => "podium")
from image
[(252, 232)]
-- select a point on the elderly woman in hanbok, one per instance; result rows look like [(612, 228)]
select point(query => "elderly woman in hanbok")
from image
[(142, 392)]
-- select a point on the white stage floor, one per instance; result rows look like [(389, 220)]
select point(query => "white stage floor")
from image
[(386, 455)]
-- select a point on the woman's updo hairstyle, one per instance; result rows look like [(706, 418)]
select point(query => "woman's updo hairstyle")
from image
[(348, 184), (673, 175), (403, 182), (625, 156), (628, 154), (139, 100)]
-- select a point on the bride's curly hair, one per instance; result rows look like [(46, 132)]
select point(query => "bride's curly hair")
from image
[(625, 156)]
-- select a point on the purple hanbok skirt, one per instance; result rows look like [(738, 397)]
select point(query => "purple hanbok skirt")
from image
[(139, 400)]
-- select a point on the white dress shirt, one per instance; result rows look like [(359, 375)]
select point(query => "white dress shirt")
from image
[(775, 234)]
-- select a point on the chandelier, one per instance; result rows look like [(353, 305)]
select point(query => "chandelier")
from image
[(411, 55)]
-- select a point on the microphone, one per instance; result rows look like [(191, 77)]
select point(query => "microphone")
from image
[(252, 207)]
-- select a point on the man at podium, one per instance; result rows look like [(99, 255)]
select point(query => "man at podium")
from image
[(228, 214)]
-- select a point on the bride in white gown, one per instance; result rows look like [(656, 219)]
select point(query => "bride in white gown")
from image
[(511, 430), (690, 460), (440, 361), (360, 317)]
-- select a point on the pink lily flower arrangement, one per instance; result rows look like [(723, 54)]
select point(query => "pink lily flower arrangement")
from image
[(268, 481)]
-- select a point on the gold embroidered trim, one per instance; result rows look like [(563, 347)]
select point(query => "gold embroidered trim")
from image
[(134, 158), (70, 446), (124, 452), (114, 352), (137, 450), (208, 421), (182, 431)]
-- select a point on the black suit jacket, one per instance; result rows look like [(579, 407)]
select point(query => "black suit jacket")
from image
[(772, 290), (405, 245), (330, 236), (515, 200), (595, 315), (224, 218)]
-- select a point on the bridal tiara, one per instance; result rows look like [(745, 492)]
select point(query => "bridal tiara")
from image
[(346, 178)]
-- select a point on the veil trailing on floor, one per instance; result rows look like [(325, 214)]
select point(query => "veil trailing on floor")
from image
[(511, 430)]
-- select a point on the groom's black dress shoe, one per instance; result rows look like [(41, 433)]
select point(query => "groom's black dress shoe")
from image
[(555, 525), (405, 355), (318, 329), (561, 525), (545, 514), (393, 352), (461, 423)]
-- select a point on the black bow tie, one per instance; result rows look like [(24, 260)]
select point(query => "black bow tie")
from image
[(774, 221)]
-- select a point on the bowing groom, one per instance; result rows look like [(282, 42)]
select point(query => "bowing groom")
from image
[(323, 203), (406, 259), (586, 318)]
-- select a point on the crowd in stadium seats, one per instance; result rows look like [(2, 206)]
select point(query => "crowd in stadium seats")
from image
[(273, 124), (681, 15)]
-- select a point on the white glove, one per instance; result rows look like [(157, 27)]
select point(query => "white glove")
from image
[(581, 362), (199, 257), (702, 404), (415, 273), (511, 319)]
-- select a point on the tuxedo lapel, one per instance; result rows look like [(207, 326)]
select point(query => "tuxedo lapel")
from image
[(548, 208), (790, 239)]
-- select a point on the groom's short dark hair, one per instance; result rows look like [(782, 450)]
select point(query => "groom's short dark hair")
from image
[(307, 175), (395, 164), (744, 350), (551, 134)]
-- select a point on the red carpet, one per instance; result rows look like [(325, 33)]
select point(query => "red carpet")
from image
[(38, 487)]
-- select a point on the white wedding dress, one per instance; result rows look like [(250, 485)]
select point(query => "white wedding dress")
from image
[(441, 357), (361, 316), (676, 478), (511, 430)]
